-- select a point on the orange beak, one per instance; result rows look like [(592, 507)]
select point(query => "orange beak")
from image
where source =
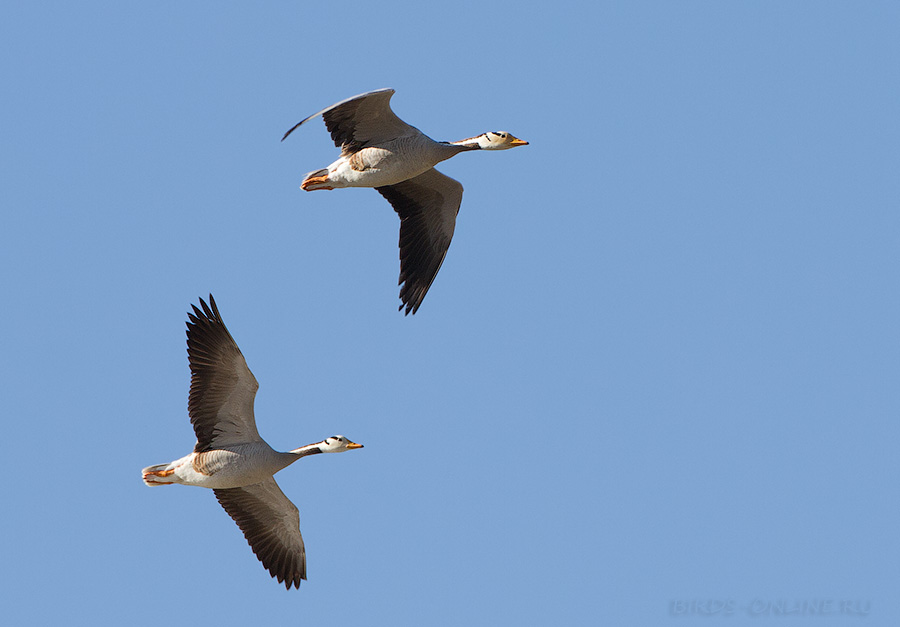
[(518, 142), (354, 445)]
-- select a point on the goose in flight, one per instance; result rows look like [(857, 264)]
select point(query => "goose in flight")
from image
[(230, 456), (380, 150)]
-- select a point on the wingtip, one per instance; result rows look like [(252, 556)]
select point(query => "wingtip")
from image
[(293, 128), (215, 308), (207, 312)]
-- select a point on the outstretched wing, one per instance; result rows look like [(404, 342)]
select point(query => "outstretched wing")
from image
[(361, 121), (222, 387), (427, 205), (271, 524)]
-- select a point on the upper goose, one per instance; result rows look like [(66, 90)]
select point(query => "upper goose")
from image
[(380, 150), (230, 457)]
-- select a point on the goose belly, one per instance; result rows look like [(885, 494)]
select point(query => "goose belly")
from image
[(222, 469), (375, 167)]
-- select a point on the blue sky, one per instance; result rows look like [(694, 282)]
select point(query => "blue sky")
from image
[(656, 373)]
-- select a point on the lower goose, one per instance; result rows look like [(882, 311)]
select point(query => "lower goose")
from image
[(380, 150), (230, 456)]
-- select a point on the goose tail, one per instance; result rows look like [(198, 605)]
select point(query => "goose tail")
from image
[(161, 474)]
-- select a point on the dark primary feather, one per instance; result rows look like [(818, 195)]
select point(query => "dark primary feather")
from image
[(222, 387), (271, 525), (427, 205), (341, 125), (359, 121)]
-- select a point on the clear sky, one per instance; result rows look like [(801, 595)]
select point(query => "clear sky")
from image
[(657, 372)]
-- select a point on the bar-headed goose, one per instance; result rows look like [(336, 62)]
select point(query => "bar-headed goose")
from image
[(230, 457), (380, 150)]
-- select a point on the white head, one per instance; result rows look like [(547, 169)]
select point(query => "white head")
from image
[(337, 444), (499, 140)]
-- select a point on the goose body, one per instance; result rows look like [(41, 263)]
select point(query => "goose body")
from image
[(230, 457), (380, 150), (233, 467), (390, 163)]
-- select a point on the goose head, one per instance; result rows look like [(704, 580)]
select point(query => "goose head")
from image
[(499, 140), (492, 140), (337, 444)]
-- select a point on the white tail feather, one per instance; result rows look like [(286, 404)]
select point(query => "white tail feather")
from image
[(154, 479)]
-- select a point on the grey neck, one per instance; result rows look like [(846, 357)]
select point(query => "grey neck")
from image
[(458, 148), (309, 449)]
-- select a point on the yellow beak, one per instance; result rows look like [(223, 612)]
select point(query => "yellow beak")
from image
[(518, 142), (354, 445)]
